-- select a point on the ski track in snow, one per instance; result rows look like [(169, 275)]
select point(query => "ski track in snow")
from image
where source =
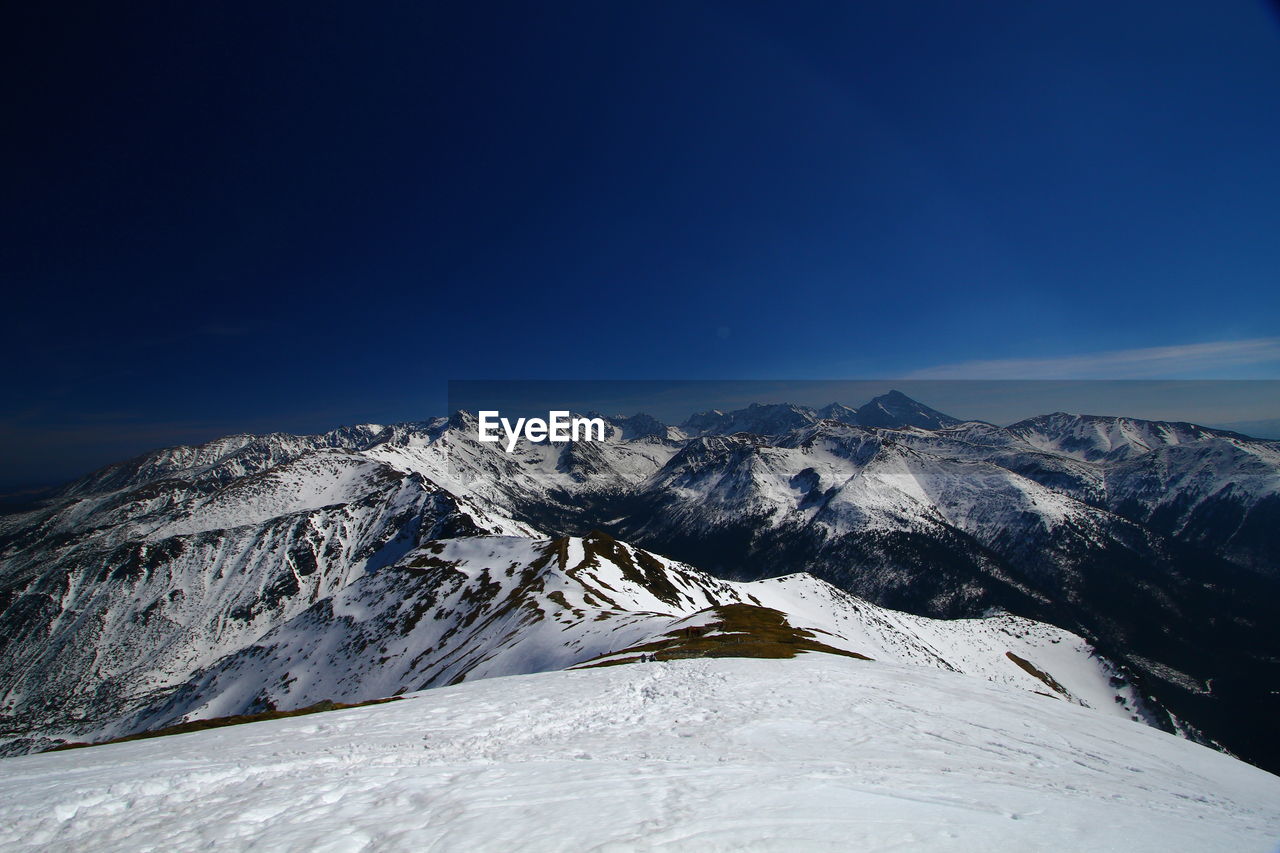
[(818, 753)]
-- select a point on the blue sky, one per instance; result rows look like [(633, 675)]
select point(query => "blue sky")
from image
[(266, 217)]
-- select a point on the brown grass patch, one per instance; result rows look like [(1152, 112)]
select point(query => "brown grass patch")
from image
[(735, 631), (235, 720)]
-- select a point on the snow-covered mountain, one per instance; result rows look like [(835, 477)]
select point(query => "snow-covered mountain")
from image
[(756, 419), (893, 410), (1093, 438), (896, 410), (481, 606), (149, 588), (107, 597), (814, 754)]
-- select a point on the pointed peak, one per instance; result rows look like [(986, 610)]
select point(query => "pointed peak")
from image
[(895, 410), (462, 419), (896, 397)]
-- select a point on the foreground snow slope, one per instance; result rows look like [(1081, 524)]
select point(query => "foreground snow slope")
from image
[(816, 753)]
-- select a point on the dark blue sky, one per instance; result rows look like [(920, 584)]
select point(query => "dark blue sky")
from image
[(261, 216)]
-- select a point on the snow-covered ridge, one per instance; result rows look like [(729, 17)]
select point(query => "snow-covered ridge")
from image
[(167, 578), (819, 753), (1093, 437), (486, 606), (893, 410)]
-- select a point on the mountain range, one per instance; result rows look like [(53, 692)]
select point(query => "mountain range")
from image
[(1122, 564)]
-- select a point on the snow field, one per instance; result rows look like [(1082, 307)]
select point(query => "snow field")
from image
[(817, 753)]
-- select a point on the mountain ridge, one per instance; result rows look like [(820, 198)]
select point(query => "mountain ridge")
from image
[(1131, 551), (482, 606)]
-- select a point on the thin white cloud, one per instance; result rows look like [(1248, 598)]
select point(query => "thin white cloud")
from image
[(1148, 363)]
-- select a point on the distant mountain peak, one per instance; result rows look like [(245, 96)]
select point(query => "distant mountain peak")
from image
[(757, 419), (839, 412), (895, 410)]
